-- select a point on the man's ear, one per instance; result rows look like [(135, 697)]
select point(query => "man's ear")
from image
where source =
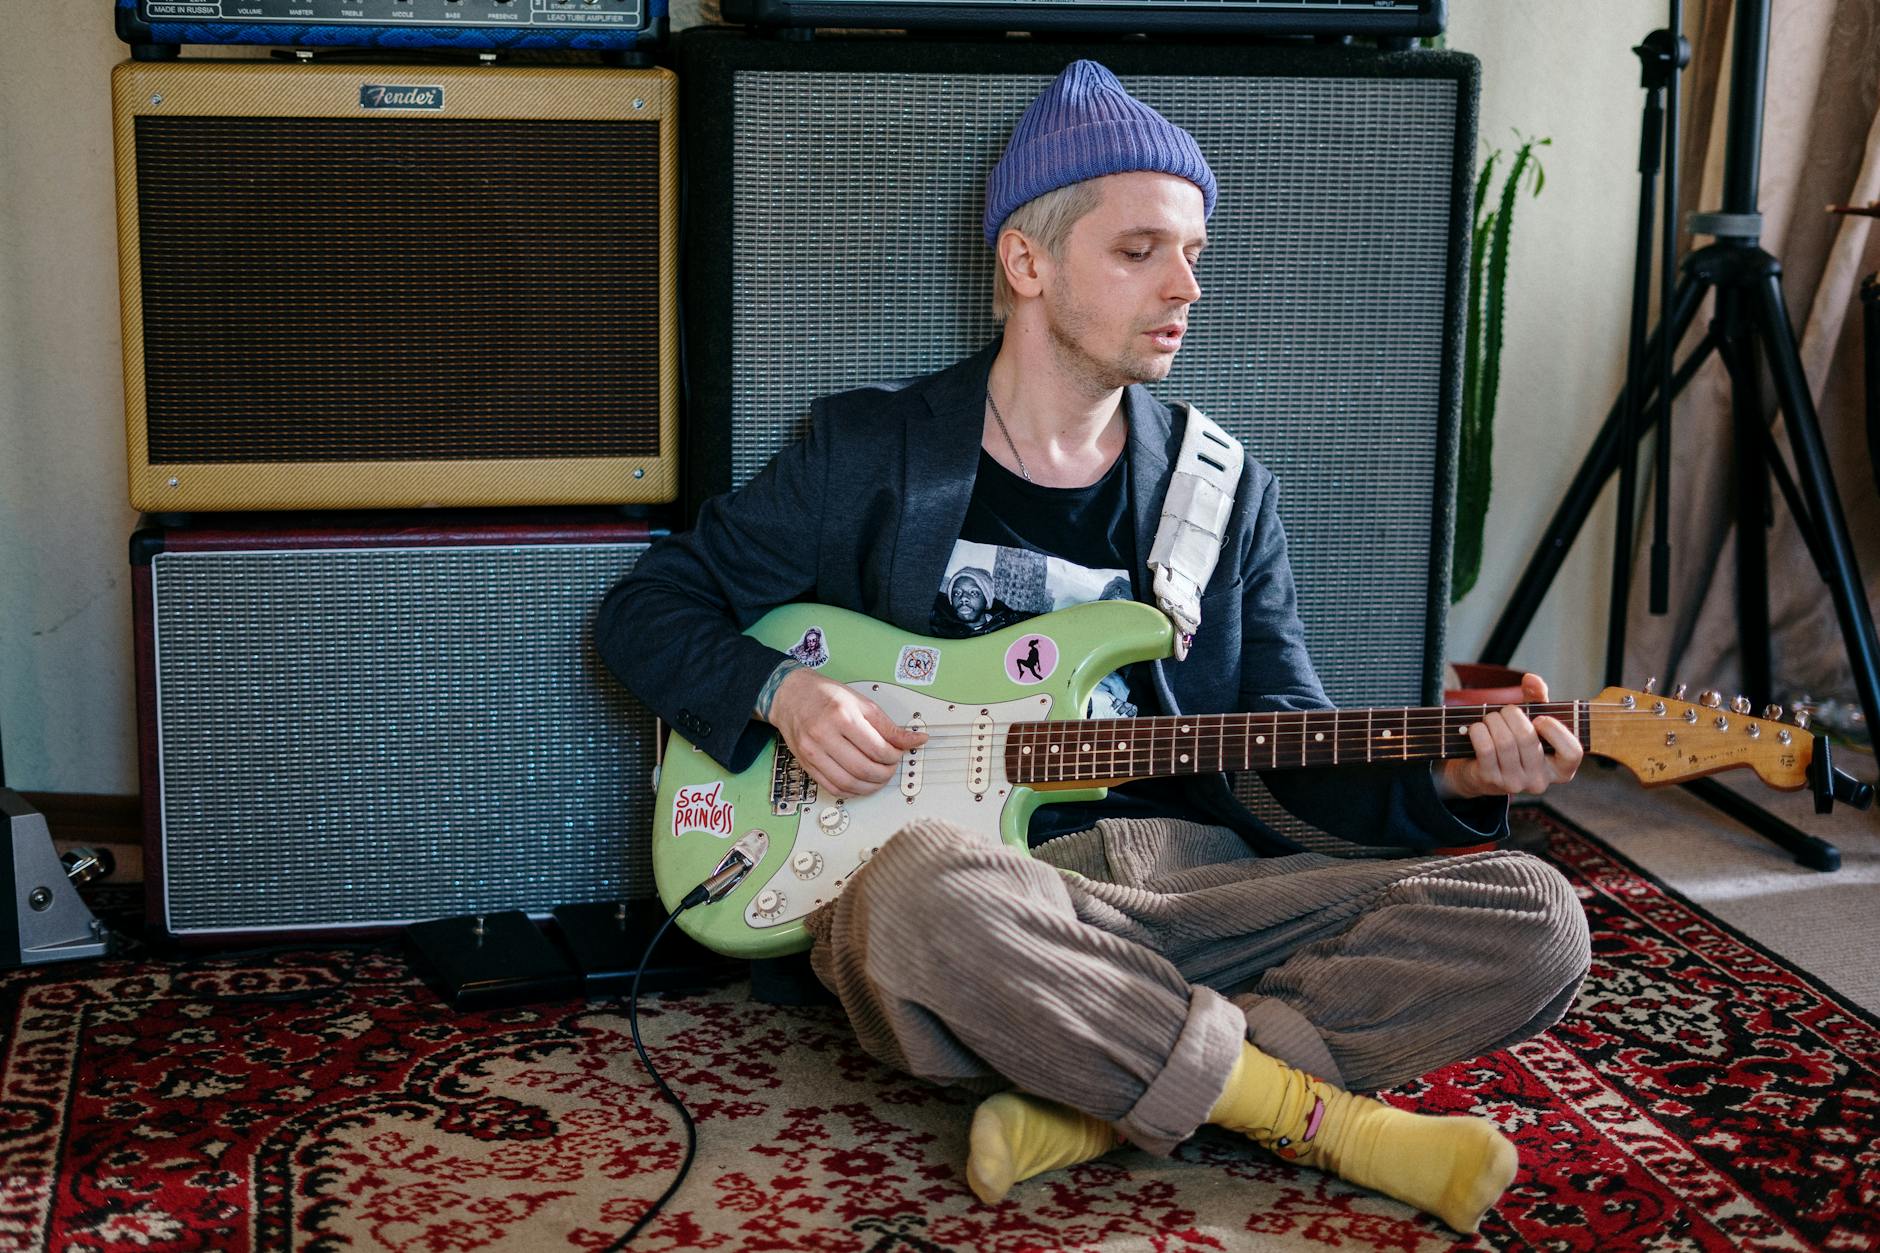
[(1024, 263)]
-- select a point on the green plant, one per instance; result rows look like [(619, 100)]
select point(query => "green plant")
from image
[(1481, 367)]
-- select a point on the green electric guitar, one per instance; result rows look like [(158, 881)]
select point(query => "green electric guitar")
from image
[(1002, 715)]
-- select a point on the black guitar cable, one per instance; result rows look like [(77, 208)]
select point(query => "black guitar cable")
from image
[(728, 875)]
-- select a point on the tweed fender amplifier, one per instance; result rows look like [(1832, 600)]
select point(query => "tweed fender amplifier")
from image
[(357, 728), (357, 285), (839, 183)]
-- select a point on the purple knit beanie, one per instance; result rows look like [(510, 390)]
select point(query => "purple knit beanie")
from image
[(1085, 126)]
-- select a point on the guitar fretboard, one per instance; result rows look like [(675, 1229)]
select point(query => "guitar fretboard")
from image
[(1141, 748)]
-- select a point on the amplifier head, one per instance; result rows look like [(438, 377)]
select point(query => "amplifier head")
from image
[(354, 729), (366, 285), (152, 26)]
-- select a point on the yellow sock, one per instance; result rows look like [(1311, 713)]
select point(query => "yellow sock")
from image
[(1454, 1168), (1016, 1136)]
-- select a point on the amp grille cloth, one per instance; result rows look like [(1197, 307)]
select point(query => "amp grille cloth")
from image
[(388, 289), (377, 735), (1318, 339)]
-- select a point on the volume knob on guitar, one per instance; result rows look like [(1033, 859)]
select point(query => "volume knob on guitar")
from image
[(833, 820)]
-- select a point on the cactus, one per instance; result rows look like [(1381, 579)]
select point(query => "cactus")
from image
[(1481, 368)]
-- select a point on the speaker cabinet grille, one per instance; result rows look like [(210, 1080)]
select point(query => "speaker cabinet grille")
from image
[(1325, 337), (361, 735), (478, 316), (1328, 336), (348, 309)]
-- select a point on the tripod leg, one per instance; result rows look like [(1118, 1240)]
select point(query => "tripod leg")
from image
[(1817, 483), (1751, 493), (1525, 601)]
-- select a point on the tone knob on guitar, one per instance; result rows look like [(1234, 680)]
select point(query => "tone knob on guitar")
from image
[(806, 864), (769, 903)]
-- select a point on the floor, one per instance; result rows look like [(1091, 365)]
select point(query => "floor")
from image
[(1828, 923)]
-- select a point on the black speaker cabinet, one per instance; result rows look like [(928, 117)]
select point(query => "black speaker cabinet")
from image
[(836, 192), (357, 726), (837, 185)]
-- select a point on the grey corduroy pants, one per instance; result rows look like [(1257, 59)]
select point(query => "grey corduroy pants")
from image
[(1117, 970)]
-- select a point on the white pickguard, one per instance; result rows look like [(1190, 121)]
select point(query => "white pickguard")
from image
[(940, 780)]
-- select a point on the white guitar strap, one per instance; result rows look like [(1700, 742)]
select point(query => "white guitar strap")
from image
[(1194, 521)]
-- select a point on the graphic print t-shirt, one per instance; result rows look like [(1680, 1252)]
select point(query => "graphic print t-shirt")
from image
[(1025, 550)]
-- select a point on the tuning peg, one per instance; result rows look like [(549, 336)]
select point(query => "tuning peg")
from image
[(1677, 693), (1801, 718), (1772, 712), (1741, 704), (1651, 685), (1710, 698)]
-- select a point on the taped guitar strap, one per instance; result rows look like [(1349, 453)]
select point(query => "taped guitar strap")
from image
[(1194, 521)]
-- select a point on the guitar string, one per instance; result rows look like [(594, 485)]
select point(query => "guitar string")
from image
[(1422, 741), (1420, 719)]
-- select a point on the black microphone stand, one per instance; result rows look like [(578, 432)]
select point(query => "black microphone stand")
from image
[(1749, 319)]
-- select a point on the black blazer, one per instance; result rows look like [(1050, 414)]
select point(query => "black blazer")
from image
[(862, 514)]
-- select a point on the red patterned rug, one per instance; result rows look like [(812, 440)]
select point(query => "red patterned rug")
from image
[(1701, 1094)]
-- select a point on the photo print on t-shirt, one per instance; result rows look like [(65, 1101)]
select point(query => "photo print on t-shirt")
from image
[(989, 586)]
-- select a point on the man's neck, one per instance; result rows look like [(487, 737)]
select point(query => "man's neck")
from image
[(1059, 430)]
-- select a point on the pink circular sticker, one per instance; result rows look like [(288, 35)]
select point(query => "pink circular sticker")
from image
[(1031, 659)]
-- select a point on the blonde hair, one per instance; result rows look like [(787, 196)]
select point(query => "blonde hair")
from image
[(1046, 221)]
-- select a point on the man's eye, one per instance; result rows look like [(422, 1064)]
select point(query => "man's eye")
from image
[(1143, 255)]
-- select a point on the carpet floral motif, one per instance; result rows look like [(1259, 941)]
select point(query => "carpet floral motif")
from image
[(1700, 1094)]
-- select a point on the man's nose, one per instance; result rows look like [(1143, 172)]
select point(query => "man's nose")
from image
[(1186, 287)]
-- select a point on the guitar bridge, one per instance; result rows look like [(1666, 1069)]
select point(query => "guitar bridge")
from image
[(791, 788)]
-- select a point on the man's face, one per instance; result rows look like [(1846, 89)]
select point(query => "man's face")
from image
[(968, 603), (1116, 302)]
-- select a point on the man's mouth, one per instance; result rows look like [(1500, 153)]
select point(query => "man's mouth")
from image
[(1169, 337)]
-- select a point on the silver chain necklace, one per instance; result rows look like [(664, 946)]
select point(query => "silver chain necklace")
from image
[(1023, 473)]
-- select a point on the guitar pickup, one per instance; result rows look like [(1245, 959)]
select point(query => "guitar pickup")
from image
[(791, 789), (979, 775), (911, 763)]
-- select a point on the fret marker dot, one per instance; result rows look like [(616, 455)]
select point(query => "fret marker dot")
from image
[(1054, 748), (1386, 736), (1186, 730), (1259, 739), (1026, 750), (1086, 748), (1184, 759), (1121, 745), (1319, 736)]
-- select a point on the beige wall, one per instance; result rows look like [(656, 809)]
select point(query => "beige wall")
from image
[(67, 709), (1565, 71)]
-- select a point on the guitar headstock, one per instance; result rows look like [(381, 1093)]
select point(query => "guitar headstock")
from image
[(1665, 740)]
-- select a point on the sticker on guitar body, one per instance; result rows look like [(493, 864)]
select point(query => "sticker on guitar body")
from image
[(700, 809), (919, 664), (1031, 659)]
